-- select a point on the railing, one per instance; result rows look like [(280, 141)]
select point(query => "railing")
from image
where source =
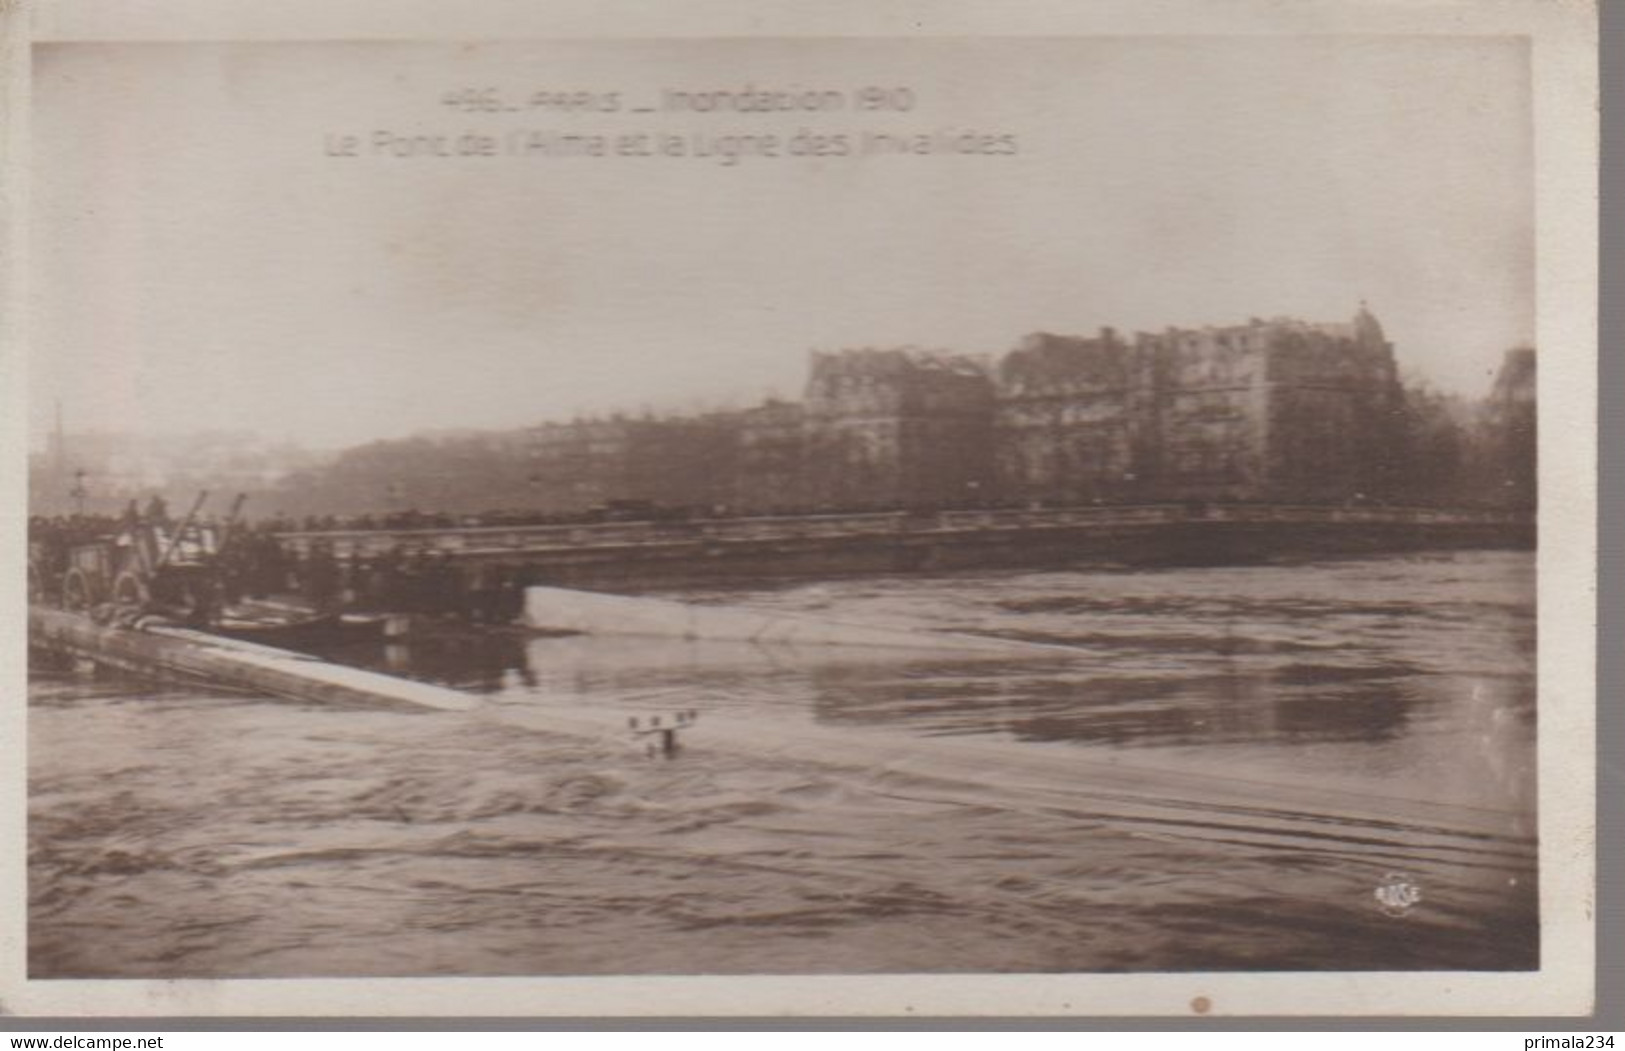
[(540, 539)]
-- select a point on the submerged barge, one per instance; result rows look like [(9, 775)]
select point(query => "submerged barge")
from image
[(156, 649)]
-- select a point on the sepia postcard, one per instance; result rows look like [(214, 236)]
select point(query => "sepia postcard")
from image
[(729, 509)]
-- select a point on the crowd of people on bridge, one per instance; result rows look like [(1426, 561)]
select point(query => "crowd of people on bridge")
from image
[(251, 562), (612, 511)]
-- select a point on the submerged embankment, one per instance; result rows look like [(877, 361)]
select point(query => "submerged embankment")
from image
[(203, 835)]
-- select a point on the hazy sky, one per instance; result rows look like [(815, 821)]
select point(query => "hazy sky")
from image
[(203, 262)]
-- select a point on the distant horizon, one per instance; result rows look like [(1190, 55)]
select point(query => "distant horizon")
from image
[(40, 443)]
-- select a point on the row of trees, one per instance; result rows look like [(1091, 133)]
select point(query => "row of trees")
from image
[(1465, 453), (1450, 451)]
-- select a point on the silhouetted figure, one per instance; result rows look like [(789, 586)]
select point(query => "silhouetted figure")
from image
[(321, 579)]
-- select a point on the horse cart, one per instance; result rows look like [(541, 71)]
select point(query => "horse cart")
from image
[(148, 564), (184, 572)]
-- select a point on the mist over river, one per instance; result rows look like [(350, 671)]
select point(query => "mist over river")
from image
[(180, 833)]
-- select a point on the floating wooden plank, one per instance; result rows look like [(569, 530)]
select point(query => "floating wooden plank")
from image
[(596, 613)]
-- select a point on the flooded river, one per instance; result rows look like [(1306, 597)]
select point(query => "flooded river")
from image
[(175, 833)]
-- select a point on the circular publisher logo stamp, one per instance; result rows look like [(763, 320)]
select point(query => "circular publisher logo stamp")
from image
[(1398, 894)]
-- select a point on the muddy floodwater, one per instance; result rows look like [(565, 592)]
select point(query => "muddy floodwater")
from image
[(178, 833)]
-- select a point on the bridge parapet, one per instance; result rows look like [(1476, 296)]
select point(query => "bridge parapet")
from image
[(522, 541)]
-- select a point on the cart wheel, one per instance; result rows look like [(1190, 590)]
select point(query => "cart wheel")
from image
[(76, 591), (130, 590)]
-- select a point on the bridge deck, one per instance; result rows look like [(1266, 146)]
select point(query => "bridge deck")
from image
[(714, 534)]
